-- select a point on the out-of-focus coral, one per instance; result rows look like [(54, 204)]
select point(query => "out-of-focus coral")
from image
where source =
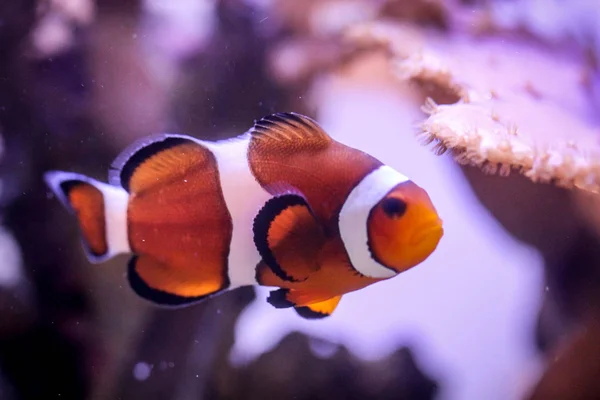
[(15, 295), (11, 271), (491, 106), (322, 18), (422, 12), (16, 305), (314, 31), (16, 308), (309, 36), (58, 23), (172, 29)]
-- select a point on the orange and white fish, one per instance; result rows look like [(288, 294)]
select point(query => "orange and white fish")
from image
[(283, 205)]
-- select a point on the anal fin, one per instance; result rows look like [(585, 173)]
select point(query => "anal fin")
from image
[(158, 284), (318, 310), (318, 302)]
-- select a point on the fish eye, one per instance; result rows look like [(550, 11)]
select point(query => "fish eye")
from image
[(393, 207)]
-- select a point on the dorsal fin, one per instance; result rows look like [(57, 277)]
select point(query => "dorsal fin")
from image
[(154, 159), (289, 127)]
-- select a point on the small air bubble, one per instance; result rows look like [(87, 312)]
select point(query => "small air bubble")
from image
[(142, 371)]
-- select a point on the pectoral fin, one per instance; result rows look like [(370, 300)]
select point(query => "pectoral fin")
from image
[(288, 237)]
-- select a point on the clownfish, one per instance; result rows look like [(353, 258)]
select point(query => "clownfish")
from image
[(283, 205)]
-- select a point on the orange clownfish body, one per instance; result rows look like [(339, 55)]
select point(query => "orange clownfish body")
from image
[(283, 205)]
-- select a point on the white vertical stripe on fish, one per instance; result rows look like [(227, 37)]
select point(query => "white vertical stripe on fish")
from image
[(244, 197), (354, 216), (115, 210)]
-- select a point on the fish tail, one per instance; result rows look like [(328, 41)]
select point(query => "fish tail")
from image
[(100, 209)]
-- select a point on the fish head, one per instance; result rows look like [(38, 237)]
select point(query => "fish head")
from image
[(404, 227)]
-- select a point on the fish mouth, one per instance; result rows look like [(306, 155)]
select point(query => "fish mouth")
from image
[(430, 233)]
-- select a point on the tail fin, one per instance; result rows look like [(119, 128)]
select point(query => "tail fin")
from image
[(101, 211)]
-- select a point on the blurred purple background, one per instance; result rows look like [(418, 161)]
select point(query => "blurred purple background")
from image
[(512, 286)]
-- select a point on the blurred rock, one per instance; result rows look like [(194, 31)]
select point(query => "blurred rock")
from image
[(6, 391), (574, 367), (46, 341), (179, 350), (295, 370)]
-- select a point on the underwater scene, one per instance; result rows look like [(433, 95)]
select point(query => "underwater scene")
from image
[(300, 199)]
